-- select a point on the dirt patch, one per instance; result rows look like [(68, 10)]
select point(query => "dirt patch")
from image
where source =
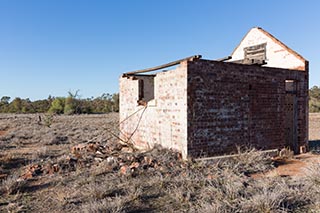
[(314, 126), (3, 132), (291, 167)]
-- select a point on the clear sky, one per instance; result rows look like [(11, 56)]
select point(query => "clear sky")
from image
[(50, 47)]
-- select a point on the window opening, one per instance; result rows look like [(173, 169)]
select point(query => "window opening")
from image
[(291, 86), (145, 89), (255, 54)]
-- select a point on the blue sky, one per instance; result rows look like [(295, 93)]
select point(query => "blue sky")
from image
[(50, 47)]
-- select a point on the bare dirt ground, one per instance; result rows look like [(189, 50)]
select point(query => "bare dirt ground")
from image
[(25, 141), (75, 164), (3, 132), (297, 165), (314, 126)]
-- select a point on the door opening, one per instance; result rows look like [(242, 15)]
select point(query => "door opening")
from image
[(291, 115)]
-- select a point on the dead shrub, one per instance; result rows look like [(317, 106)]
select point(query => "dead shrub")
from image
[(269, 195), (223, 192), (313, 175), (312, 185), (39, 154), (115, 205), (12, 184), (248, 161), (286, 154)]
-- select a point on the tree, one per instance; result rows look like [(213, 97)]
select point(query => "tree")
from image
[(4, 103), (57, 106), (15, 106), (72, 104), (5, 99), (314, 101), (41, 106), (314, 92)]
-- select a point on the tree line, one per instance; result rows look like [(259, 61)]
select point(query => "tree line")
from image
[(72, 104)]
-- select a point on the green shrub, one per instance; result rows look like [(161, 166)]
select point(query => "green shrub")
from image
[(70, 106), (314, 101), (57, 106)]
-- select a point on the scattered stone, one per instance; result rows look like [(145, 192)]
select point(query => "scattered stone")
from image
[(134, 165), (110, 160), (32, 171), (51, 169), (98, 160), (78, 148), (92, 147), (124, 170), (99, 153)]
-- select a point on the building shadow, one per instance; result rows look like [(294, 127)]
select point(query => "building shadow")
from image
[(314, 146)]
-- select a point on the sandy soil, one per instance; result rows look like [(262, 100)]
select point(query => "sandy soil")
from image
[(294, 167), (314, 126), (2, 132)]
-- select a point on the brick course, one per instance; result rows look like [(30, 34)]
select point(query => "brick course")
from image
[(206, 108), (233, 105)]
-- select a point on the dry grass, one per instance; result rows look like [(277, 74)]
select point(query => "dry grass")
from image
[(13, 184), (161, 181), (313, 185)]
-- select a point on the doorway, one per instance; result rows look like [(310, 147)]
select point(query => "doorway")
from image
[(291, 115)]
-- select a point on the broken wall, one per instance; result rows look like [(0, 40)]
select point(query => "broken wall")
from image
[(233, 105), (164, 119), (277, 54)]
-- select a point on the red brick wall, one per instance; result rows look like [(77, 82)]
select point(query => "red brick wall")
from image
[(234, 104)]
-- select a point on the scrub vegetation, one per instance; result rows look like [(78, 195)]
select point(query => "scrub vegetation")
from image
[(314, 101), (76, 164), (72, 104)]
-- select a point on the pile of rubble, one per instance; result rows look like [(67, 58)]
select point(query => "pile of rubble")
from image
[(118, 157)]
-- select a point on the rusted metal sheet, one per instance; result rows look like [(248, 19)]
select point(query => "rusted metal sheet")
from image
[(224, 58), (191, 58)]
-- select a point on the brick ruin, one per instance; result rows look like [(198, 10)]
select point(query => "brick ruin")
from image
[(258, 97)]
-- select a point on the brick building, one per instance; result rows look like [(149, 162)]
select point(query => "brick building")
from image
[(256, 97)]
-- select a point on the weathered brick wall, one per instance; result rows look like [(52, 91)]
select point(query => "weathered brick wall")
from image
[(164, 120), (233, 104), (208, 108)]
